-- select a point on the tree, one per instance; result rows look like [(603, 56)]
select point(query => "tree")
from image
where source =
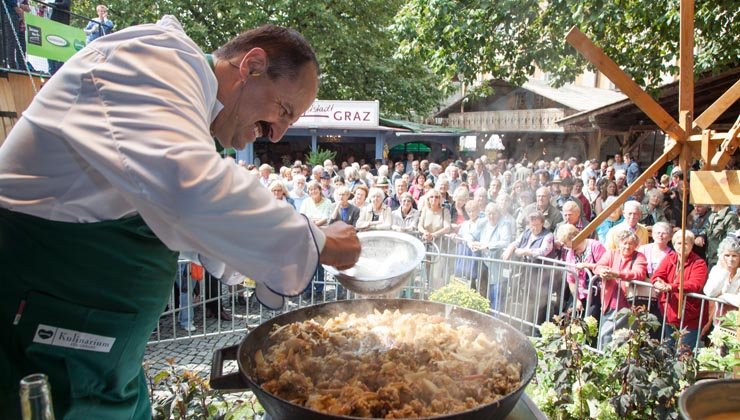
[(506, 39), (351, 40)]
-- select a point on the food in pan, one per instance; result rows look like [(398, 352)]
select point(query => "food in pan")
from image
[(385, 365)]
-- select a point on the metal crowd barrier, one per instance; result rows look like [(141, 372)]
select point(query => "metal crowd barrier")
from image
[(524, 293), (643, 293)]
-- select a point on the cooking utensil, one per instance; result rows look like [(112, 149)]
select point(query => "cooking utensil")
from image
[(711, 398), (387, 262), (515, 344)]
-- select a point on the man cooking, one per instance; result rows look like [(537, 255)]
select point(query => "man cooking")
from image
[(110, 170)]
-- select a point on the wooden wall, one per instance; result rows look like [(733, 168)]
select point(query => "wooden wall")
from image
[(16, 93)]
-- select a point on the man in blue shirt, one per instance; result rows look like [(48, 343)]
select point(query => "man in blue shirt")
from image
[(99, 26), (633, 169)]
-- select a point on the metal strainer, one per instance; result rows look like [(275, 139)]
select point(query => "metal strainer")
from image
[(387, 261)]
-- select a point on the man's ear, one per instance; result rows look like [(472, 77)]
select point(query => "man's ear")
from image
[(254, 63)]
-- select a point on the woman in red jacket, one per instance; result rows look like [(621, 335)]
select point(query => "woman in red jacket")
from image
[(666, 280)]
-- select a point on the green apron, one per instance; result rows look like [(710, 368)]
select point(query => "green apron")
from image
[(79, 302)]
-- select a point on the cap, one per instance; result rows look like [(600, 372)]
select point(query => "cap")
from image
[(325, 175), (382, 181)]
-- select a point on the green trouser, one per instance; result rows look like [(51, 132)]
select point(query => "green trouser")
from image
[(78, 303)]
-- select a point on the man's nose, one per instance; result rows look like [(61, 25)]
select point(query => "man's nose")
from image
[(278, 131)]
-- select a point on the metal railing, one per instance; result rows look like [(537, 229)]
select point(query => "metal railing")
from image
[(524, 293)]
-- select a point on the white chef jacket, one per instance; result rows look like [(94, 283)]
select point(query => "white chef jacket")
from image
[(124, 128)]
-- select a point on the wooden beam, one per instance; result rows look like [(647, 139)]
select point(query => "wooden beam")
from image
[(719, 107), (637, 183), (709, 187), (716, 138), (707, 148), (610, 69), (644, 135), (729, 145)]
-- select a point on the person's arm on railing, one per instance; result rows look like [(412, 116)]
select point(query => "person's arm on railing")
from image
[(503, 238), (91, 27), (511, 248), (661, 273), (384, 219), (637, 271)]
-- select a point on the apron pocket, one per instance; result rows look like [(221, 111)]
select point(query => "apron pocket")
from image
[(87, 345)]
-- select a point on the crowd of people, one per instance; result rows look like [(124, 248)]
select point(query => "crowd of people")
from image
[(506, 210)]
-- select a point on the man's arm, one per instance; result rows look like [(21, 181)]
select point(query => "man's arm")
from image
[(156, 150)]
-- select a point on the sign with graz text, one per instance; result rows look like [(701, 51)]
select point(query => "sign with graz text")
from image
[(341, 114)]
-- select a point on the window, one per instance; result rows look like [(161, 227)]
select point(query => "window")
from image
[(521, 100)]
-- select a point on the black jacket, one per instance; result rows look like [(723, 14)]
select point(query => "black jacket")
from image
[(60, 11)]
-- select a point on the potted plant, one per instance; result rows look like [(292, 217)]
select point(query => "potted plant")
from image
[(722, 357), (460, 294), (319, 156), (182, 394), (635, 378)]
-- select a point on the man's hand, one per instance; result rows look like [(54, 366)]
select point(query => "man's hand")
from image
[(342, 247)]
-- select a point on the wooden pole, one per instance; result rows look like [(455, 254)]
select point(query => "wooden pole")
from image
[(669, 154), (621, 80), (683, 163), (685, 111)]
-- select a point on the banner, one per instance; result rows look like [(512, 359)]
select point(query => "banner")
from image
[(50, 39), (342, 114)]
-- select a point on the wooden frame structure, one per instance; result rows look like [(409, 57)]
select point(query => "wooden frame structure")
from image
[(690, 138)]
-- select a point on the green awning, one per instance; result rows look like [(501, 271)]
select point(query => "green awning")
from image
[(411, 148), (422, 128)]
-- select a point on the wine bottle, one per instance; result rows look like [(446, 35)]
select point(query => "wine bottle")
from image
[(36, 398)]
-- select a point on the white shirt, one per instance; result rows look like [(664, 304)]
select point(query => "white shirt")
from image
[(720, 286), (124, 128)]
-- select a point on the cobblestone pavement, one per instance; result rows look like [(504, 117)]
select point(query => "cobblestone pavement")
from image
[(192, 354), (193, 350)]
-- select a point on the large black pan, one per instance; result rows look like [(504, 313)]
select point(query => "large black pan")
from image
[(516, 345)]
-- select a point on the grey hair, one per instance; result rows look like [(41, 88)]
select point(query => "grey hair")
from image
[(493, 208), (278, 184), (375, 191), (536, 215), (656, 193), (313, 184), (351, 173), (663, 225), (572, 205), (633, 204), (728, 244), (627, 234)]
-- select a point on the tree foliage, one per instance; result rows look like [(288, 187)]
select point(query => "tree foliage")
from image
[(506, 39), (351, 39)]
